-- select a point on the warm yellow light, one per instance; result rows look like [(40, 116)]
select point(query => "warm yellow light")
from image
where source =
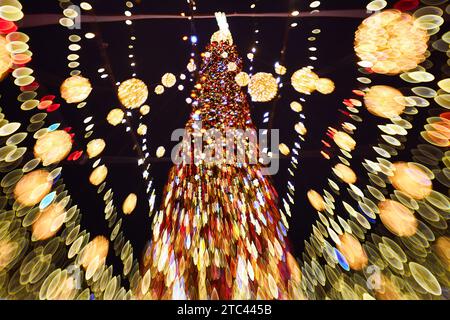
[(48, 223), (95, 147), (145, 109), (411, 179), (316, 200), (53, 147), (160, 152), (75, 89), (8, 252), (32, 188), (242, 79), (442, 248), (344, 141), (168, 80), (284, 149), (353, 252), (159, 89), (115, 117), (5, 58), (390, 42), (384, 101), (296, 106), (387, 289), (142, 130), (397, 218), (345, 173), (304, 80), (133, 93), (95, 252), (129, 204), (325, 86), (98, 175), (191, 66), (300, 128), (222, 35), (279, 69), (263, 87), (232, 66)]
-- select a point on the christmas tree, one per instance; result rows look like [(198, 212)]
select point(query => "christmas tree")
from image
[(219, 233)]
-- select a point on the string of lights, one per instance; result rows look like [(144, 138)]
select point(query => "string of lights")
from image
[(95, 147)]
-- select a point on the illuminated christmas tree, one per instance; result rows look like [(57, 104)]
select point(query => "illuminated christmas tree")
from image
[(219, 233)]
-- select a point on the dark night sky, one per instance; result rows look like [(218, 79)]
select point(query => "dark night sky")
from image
[(160, 49)]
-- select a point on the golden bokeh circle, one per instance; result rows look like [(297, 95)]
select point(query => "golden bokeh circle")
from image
[(133, 93)]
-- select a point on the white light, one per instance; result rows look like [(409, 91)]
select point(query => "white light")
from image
[(85, 6), (295, 13), (194, 39), (129, 22), (293, 25), (314, 4), (128, 13), (101, 70)]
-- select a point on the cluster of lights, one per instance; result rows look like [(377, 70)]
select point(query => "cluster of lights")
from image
[(403, 212), (32, 187), (131, 55)]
